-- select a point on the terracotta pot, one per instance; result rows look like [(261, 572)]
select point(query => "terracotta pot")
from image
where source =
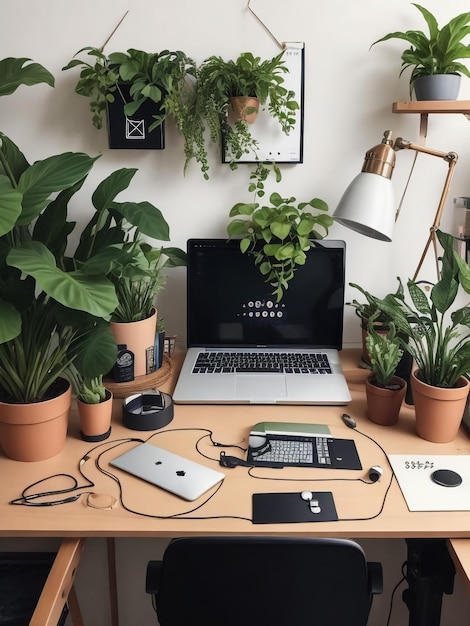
[(139, 337), (439, 410), (245, 108), (383, 405), (36, 431), (95, 419)]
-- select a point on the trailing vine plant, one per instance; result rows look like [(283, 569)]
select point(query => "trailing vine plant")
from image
[(279, 234)]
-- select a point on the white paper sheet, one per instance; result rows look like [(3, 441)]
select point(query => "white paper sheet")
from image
[(413, 473)]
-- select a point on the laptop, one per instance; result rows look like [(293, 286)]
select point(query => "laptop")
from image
[(232, 314), (167, 470)]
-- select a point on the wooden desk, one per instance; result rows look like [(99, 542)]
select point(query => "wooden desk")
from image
[(459, 550), (358, 504), (230, 425)]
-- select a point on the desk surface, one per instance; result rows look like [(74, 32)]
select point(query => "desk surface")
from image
[(358, 504)]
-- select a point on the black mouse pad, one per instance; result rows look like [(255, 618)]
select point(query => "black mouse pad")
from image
[(290, 508)]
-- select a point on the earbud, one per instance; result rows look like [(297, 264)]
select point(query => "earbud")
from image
[(232, 461), (375, 473), (314, 505)]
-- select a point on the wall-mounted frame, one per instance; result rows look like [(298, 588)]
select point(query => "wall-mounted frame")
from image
[(273, 144)]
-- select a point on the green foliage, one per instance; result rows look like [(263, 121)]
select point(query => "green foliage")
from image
[(438, 337), (385, 354), (437, 52), (55, 307), (160, 77), (369, 309), (277, 235), (218, 80), (88, 390), (15, 72)]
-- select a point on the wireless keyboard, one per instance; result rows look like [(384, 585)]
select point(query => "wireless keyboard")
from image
[(301, 451)]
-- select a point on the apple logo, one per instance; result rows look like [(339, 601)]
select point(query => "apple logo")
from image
[(181, 473), (158, 462)]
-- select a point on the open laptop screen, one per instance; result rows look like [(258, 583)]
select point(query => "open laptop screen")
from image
[(230, 305)]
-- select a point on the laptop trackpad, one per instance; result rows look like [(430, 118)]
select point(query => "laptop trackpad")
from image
[(260, 387)]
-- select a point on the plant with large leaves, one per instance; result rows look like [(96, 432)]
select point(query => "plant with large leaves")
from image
[(437, 52), (55, 308), (429, 329)]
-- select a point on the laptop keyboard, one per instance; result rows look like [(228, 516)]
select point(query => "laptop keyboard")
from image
[(268, 362), (300, 451)]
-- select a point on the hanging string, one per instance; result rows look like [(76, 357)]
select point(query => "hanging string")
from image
[(281, 45), (114, 30)]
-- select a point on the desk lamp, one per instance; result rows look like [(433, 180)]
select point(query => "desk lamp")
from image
[(368, 205)]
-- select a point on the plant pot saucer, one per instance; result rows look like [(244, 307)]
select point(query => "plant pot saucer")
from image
[(94, 438)]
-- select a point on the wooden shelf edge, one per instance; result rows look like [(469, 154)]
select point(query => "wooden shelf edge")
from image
[(432, 106)]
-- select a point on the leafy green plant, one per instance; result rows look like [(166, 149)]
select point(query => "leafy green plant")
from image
[(385, 354), (161, 77), (277, 235), (88, 390), (369, 309), (139, 277), (439, 51), (219, 80), (438, 337), (55, 307)]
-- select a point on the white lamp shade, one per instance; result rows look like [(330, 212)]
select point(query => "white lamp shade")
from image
[(368, 206)]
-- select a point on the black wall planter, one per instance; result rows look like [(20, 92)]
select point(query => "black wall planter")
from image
[(131, 133)]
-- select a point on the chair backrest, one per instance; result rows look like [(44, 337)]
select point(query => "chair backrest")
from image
[(264, 581)]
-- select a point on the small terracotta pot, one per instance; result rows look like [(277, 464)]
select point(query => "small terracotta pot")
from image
[(439, 410), (139, 337), (36, 431), (383, 405), (95, 419), (245, 108)]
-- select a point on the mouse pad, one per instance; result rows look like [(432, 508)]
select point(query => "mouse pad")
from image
[(289, 508), (414, 475)]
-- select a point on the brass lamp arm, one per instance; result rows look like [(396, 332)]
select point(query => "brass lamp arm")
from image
[(451, 158)]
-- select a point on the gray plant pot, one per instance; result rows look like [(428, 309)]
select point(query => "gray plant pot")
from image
[(437, 87)]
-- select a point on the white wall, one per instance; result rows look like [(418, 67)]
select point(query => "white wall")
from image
[(348, 100)]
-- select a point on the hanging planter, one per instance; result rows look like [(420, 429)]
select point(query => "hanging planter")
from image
[(132, 132), (245, 108)]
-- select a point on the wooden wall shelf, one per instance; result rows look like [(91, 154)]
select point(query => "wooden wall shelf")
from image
[(433, 106)]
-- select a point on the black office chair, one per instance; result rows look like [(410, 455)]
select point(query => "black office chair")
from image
[(263, 581)]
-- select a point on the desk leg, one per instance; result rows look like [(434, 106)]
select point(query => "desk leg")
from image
[(429, 574), (113, 599)]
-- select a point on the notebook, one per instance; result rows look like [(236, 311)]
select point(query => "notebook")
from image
[(231, 312), (167, 470)]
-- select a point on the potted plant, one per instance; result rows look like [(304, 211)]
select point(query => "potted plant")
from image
[(277, 235), (438, 340), (385, 390), (368, 310), (149, 85), (50, 310), (55, 307), (435, 57), (138, 277), (94, 405), (218, 81)]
